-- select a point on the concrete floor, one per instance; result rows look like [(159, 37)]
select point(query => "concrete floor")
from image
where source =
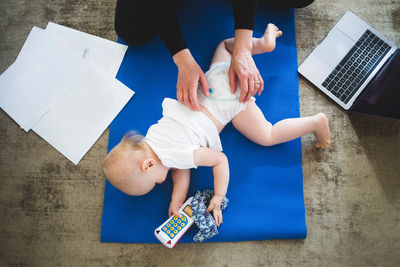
[(51, 210)]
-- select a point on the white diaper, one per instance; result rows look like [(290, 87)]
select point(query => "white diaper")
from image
[(221, 103)]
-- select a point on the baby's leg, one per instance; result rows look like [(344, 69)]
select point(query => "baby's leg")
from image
[(266, 43), (252, 124)]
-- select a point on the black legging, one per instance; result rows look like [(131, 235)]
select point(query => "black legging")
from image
[(138, 21)]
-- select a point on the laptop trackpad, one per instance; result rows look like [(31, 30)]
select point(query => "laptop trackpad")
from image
[(334, 47)]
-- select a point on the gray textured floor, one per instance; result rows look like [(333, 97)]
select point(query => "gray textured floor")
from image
[(50, 210)]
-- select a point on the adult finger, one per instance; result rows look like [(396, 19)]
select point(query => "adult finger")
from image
[(193, 98), (261, 84), (257, 86), (179, 94), (252, 88), (204, 84), (232, 79), (244, 86), (185, 97)]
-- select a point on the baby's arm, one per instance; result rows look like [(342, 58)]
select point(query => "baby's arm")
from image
[(181, 181), (213, 158)]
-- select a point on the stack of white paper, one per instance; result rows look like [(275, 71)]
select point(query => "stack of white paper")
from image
[(63, 86)]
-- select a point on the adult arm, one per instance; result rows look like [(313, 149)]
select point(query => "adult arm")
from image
[(181, 181), (218, 161), (189, 76), (189, 72), (242, 63)]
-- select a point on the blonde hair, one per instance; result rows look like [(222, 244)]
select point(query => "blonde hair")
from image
[(133, 140), (116, 169)]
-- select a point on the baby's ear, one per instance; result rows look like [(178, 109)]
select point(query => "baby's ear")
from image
[(147, 164)]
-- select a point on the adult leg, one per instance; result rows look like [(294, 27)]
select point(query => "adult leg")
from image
[(134, 19), (252, 124), (133, 22), (286, 3)]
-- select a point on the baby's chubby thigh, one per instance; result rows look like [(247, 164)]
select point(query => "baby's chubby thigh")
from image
[(252, 123)]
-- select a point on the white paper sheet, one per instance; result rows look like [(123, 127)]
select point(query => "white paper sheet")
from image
[(63, 86), (44, 71), (103, 53), (75, 122)]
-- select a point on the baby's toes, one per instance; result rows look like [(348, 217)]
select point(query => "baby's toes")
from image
[(324, 145)]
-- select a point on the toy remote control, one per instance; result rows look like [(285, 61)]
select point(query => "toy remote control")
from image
[(173, 229)]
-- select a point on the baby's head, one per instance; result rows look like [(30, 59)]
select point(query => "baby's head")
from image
[(132, 166)]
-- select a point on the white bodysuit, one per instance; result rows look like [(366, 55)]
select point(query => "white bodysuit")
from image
[(181, 131)]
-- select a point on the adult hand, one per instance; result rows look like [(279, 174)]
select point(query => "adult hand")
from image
[(243, 67), (189, 76)]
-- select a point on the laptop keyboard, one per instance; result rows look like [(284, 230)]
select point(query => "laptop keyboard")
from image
[(356, 66)]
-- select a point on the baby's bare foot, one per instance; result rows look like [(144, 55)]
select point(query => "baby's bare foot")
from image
[(268, 40), (322, 133)]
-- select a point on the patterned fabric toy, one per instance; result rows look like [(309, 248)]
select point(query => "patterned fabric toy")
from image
[(203, 219)]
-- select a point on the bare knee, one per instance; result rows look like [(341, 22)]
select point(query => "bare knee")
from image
[(267, 141), (265, 138)]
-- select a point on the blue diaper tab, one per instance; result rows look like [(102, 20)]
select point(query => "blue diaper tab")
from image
[(203, 219)]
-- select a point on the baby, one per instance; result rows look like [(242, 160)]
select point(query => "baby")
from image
[(183, 139)]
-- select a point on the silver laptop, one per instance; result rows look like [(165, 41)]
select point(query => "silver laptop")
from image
[(344, 63)]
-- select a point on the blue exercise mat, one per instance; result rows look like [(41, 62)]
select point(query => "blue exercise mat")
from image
[(266, 188)]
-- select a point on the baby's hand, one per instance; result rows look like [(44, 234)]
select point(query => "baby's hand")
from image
[(174, 207), (215, 207)]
